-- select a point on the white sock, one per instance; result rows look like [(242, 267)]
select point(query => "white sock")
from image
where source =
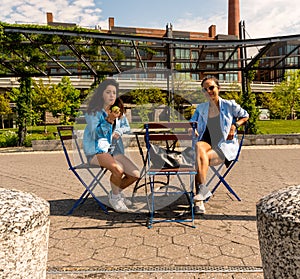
[(198, 188), (113, 186), (113, 196), (204, 193)]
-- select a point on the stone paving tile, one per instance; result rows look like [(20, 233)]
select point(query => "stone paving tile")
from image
[(253, 260), (158, 241), (244, 240), (236, 250), (173, 251), (205, 251), (141, 253), (129, 241), (225, 236), (171, 230), (191, 239), (212, 239), (190, 260), (224, 260)]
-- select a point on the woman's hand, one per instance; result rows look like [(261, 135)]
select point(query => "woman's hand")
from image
[(231, 132), (112, 115), (115, 136), (190, 131)]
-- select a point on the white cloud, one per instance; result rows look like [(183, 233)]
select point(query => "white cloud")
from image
[(200, 24), (81, 12), (271, 17), (263, 18)]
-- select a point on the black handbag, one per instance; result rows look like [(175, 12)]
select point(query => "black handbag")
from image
[(162, 158)]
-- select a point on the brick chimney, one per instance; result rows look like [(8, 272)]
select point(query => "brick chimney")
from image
[(111, 22), (49, 17), (233, 17), (212, 31)]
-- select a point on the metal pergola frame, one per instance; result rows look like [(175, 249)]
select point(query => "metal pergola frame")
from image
[(80, 63)]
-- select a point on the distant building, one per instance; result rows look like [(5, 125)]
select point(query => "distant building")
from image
[(277, 75), (190, 55), (190, 58)]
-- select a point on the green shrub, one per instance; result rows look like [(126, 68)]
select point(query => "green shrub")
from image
[(27, 141), (30, 137), (8, 139)]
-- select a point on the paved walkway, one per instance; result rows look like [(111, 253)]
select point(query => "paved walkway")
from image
[(91, 244)]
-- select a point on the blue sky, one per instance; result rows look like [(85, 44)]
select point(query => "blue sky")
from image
[(263, 18)]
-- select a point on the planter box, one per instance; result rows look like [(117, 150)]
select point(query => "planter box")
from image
[(46, 145), (53, 145), (281, 139)]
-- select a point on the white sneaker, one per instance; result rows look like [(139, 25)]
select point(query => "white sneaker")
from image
[(118, 204), (203, 194), (199, 207), (126, 200)]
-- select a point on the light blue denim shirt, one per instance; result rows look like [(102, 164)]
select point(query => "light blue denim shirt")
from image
[(229, 112), (97, 136)]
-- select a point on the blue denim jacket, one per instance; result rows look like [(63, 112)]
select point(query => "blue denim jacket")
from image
[(97, 136), (229, 112)]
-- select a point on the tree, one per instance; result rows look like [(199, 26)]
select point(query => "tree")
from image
[(249, 104), (22, 97), (69, 98), (284, 101), (61, 99), (185, 95), (44, 99), (234, 94), (4, 108), (286, 95), (267, 101), (146, 100)]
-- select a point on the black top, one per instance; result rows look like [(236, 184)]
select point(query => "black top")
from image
[(212, 134)]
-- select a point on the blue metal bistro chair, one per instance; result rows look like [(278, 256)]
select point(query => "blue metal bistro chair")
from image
[(218, 173), (173, 134), (94, 172)]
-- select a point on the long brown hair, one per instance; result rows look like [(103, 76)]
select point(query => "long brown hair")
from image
[(96, 102)]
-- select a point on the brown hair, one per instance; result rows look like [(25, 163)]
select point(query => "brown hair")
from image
[(96, 102), (210, 78)]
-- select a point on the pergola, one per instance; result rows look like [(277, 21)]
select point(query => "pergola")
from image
[(47, 51)]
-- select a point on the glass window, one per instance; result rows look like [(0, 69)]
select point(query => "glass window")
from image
[(195, 54)]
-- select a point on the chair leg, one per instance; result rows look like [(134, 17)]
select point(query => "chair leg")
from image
[(151, 213), (188, 193), (79, 202), (192, 183), (222, 180), (88, 191), (230, 189)]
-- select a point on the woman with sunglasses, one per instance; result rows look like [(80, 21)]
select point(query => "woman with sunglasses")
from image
[(218, 120)]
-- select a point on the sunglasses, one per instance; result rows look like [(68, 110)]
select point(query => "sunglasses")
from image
[(212, 87)]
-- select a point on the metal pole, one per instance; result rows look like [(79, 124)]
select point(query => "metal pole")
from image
[(170, 66), (243, 57)]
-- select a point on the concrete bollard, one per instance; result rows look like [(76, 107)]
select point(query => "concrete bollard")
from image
[(24, 235), (278, 224)]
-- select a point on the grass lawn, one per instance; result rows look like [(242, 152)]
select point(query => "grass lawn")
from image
[(264, 127), (279, 126)]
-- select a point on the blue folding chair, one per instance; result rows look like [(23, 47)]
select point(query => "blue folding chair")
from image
[(217, 171), (173, 134), (94, 172)]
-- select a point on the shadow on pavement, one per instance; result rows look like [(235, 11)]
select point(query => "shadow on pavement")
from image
[(90, 209)]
